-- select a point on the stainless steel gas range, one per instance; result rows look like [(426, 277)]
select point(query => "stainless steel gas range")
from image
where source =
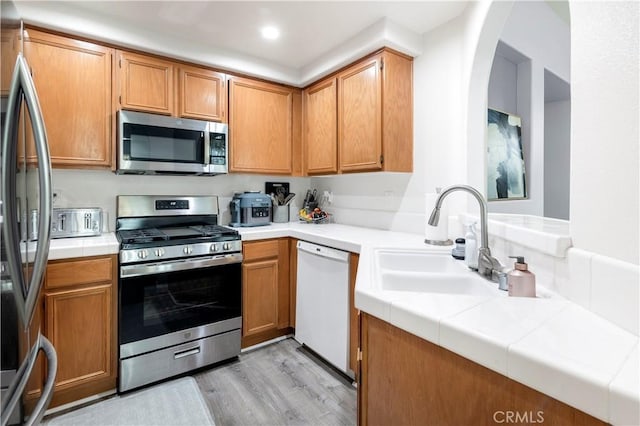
[(180, 287)]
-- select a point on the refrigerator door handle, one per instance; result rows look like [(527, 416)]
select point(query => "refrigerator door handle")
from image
[(22, 86), (20, 382)]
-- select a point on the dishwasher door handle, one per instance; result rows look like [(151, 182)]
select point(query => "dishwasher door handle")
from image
[(328, 252)]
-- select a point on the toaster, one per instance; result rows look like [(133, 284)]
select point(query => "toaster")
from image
[(72, 222), (250, 209)]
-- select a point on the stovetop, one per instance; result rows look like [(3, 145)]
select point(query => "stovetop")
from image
[(178, 235)]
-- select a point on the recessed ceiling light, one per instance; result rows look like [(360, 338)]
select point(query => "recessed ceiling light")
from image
[(270, 33)]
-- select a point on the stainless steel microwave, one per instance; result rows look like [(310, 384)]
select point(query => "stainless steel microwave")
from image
[(158, 144)]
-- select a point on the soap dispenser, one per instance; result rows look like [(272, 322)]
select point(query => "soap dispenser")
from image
[(521, 281), (471, 247)]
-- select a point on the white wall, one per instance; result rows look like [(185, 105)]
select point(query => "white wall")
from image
[(539, 40), (557, 157), (604, 132), (396, 201), (92, 188), (503, 84), (534, 30)]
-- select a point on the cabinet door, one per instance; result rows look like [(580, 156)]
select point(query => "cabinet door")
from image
[(260, 127), (146, 83), (26, 341), (321, 139), (259, 296), (397, 116), (202, 94), (73, 81), (79, 325), (360, 117)]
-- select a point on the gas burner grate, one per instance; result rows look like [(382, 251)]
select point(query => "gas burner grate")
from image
[(143, 235), (210, 230)]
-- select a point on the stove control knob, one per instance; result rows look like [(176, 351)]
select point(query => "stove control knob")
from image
[(142, 254), (214, 248), (226, 246), (159, 252), (187, 250)]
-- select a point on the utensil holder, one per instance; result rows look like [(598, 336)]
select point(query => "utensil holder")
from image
[(280, 214)]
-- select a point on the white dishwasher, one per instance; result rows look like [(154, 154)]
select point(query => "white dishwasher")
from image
[(322, 302)]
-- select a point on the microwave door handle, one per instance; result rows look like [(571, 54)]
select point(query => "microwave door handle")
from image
[(207, 148)]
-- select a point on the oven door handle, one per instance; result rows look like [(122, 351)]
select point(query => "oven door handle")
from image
[(179, 265)]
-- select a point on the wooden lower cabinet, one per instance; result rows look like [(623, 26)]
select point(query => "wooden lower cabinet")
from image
[(406, 380), (80, 319), (265, 290)]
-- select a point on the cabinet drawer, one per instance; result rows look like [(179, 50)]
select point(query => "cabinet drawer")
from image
[(80, 271), (260, 250)]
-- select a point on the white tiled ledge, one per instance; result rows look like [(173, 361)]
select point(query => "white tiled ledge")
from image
[(549, 236)]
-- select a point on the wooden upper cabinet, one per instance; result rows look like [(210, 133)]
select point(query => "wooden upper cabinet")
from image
[(397, 112), (360, 117), (371, 112), (146, 83), (320, 132), (260, 127), (73, 82), (202, 94)]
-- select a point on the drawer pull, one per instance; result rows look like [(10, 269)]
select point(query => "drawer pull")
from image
[(186, 352)]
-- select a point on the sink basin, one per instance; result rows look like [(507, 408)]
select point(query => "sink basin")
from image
[(428, 272), (436, 283)]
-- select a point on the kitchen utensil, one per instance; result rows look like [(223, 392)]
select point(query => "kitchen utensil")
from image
[(306, 197), (280, 195), (287, 200)]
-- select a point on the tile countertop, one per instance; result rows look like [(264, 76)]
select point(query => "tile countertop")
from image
[(66, 248), (549, 344)]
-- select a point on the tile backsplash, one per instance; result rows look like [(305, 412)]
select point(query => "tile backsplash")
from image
[(606, 286)]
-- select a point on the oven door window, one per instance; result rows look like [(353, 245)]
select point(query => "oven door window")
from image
[(152, 143), (153, 305)]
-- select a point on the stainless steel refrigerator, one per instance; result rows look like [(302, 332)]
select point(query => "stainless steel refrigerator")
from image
[(26, 206)]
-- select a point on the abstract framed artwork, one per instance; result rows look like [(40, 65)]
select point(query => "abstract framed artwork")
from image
[(505, 158)]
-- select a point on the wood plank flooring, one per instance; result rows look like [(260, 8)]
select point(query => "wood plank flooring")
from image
[(279, 384)]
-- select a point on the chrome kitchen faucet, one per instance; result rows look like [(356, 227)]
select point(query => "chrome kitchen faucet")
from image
[(488, 266)]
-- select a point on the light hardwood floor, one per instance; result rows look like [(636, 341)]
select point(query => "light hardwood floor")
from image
[(279, 384)]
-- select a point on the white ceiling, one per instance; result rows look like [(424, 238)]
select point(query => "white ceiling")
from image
[(226, 33)]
